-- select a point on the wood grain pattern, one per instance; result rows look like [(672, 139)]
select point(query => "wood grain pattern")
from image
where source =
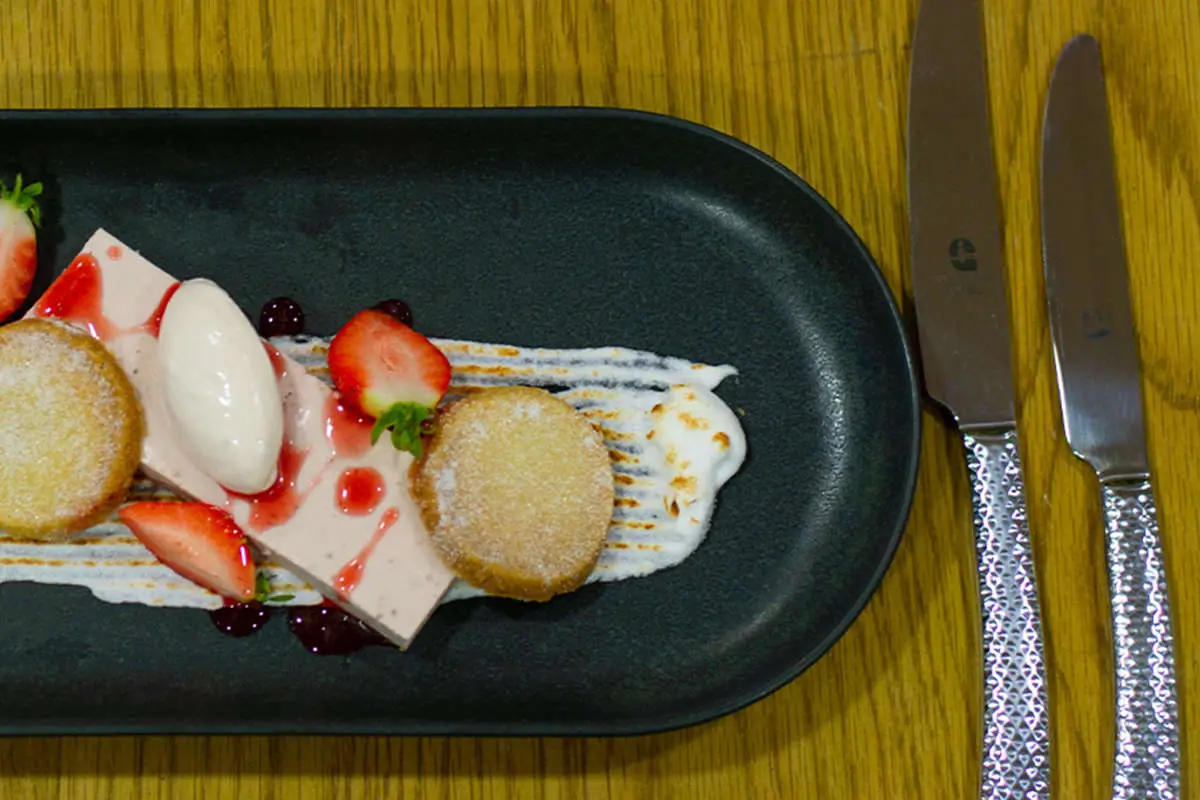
[(894, 710)]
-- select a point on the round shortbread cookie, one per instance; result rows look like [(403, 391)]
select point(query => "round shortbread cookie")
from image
[(516, 488), (70, 430)]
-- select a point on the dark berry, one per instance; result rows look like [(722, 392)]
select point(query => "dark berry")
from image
[(397, 309), (240, 619), (281, 317)]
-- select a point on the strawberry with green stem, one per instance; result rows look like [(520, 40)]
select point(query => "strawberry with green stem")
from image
[(392, 373), (20, 216)]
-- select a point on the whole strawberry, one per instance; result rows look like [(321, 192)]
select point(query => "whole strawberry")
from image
[(392, 373), (19, 216)]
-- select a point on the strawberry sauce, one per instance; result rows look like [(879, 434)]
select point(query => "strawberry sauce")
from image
[(328, 631), (240, 619), (279, 503), (77, 297), (347, 579), (359, 490), (277, 362), (347, 429), (154, 324)]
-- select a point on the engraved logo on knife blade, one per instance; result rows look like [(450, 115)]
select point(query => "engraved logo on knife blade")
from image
[(1094, 323), (962, 255)]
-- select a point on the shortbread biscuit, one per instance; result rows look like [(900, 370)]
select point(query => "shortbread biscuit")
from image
[(516, 489), (70, 430)]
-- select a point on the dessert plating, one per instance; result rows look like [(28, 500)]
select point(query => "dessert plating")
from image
[(338, 519)]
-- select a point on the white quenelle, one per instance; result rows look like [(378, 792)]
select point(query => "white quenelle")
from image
[(220, 388)]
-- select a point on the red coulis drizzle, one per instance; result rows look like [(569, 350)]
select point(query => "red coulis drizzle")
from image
[(279, 503), (77, 297), (348, 577), (347, 429), (277, 362), (153, 325), (359, 490), (348, 432)]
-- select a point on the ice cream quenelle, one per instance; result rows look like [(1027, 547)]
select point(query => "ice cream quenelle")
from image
[(219, 388)]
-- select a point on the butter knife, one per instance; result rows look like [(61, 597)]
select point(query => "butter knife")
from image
[(1096, 358), (962, 325)]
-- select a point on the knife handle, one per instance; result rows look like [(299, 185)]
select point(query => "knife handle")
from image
[(1016, 731), (1147, 753)]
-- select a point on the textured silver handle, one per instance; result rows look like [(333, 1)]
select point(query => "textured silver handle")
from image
[(1147, 754), (1016, 735)]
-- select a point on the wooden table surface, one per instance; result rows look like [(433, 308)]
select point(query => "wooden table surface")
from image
[(893, 711)]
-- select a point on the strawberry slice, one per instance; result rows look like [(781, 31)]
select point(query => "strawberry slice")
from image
[(19, 215), (200, 542), (392, 373)]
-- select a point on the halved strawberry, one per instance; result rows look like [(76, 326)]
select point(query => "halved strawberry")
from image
[(200, 542), (19, 215), (392, 373)]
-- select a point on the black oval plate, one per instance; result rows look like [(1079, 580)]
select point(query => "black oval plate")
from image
[(549, 227)]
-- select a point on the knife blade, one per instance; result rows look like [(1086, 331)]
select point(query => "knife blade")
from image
[(1097, 365), (962, 326)]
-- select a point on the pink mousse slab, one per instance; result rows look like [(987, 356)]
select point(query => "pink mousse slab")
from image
[(379, 565)]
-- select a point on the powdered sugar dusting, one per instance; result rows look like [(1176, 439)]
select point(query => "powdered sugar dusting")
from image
[(444, 486), (527, 500), (44, 373), (527, 411)]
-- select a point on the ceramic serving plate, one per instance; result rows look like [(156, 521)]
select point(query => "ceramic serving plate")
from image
[(548, 227)]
